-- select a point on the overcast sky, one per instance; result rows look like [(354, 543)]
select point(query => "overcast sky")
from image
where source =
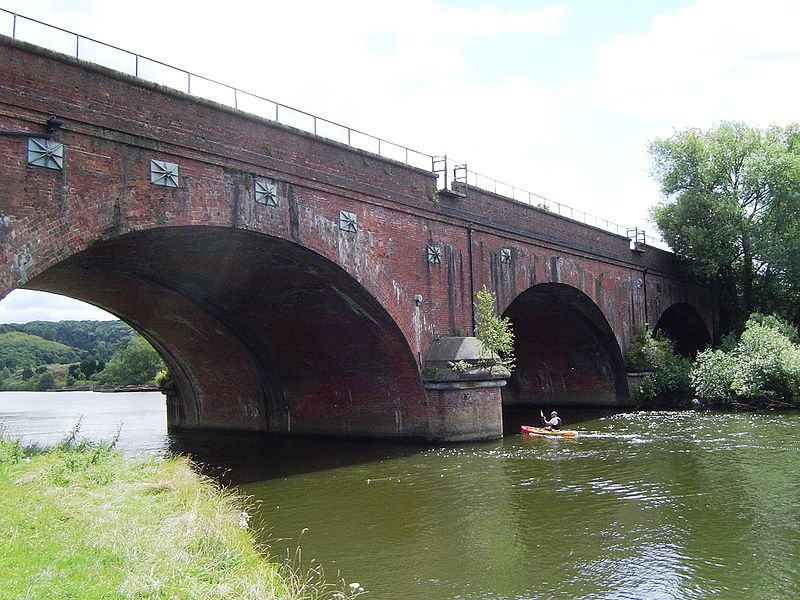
[(558, 98)]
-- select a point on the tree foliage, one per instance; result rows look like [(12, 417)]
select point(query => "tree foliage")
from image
[(763, 367), (732, 213), (135, 364), (20, 350), (81, 335), (32, 361), (667, 384), (496, 333)]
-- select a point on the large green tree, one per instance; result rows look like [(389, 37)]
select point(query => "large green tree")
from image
[(731, 212), (137, 363)]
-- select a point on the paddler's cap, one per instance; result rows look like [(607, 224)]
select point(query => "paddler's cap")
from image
[(554, 414)]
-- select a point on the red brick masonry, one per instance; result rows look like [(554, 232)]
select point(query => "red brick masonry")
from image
[(272, 317)]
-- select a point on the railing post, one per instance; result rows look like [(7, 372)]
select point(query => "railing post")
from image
[(136, 68), (235, 99), (188, 83), (77, 46), (14, 27)]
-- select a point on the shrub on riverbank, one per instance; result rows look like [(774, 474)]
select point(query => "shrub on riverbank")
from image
[(80, 521), (667, 382), (761, 369)]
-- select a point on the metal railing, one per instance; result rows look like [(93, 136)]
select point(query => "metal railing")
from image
[(537, 200), (89, 49)]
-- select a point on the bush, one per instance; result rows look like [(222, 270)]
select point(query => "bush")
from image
[(648, 352), (668, 383), (763, 368)]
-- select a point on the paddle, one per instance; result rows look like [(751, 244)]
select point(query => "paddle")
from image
[(542, 415)]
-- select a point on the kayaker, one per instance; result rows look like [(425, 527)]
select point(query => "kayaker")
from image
[(554, 422)]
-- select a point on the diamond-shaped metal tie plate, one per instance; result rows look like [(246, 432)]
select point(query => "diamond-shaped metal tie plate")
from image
[(348, 221), (266, 191), (434, 254), (505, 255), (163, 173), (45, 153)]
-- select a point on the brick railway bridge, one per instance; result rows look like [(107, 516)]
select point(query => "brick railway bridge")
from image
[(296, 285)]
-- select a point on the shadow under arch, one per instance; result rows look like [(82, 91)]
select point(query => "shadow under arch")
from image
[(567, 354), (685, 327), (259, 333)]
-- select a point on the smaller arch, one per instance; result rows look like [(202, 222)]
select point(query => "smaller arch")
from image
[(685, 327), (567, 353)]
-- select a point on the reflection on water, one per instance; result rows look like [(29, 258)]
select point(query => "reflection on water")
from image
[(642, 505)]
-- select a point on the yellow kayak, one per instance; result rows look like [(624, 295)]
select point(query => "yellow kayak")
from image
[(529, 430)]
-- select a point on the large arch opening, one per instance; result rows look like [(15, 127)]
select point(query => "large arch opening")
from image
[(567, 354), (685, 327), (258, 333)]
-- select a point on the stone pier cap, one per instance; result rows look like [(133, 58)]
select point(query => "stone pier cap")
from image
[(463, 359)]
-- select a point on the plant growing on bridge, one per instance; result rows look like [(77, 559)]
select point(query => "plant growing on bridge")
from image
[(496, 333)]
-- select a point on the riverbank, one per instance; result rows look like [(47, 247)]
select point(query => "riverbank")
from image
[(80, 521)]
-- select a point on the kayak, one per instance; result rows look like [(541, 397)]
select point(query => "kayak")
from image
[(529, 430)]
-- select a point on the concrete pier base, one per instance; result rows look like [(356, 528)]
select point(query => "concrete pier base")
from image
[(463, 382)]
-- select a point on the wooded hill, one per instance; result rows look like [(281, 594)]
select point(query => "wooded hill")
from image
[(43, 355)]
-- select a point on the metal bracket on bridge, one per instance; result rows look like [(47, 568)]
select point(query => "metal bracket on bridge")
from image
[(638, 239), (454, 189)]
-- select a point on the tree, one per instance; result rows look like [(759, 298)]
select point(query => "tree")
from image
[(732, 196), (45, 382), (494, 332), (137, 363)]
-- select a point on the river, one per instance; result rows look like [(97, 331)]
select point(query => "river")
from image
[(641, 505)]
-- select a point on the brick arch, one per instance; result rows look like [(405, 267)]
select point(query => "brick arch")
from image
[(259, 332), (685, 327), (567, 354)]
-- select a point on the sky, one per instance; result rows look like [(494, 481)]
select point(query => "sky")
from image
[(560, 98)]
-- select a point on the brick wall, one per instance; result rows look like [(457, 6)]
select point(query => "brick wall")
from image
[(273, 317)]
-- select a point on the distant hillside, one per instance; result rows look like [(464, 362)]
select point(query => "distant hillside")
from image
[(43, 355), (20, 350), (95, 338)]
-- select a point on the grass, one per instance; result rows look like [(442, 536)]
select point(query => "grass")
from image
[(81, 521)]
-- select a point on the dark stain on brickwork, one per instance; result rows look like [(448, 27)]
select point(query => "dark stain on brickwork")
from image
[(452, 292), (555, 275), (294, 213), (236, 193), (6, 229)]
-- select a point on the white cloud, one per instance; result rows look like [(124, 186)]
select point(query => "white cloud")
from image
[(716, 60), (21, 306)]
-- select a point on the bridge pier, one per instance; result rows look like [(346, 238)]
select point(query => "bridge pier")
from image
[(463, 384)]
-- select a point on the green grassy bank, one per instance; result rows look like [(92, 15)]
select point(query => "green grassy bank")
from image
[(81, 521)]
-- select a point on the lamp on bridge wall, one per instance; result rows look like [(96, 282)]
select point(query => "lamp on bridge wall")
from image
[(51, 126), (43, 151)]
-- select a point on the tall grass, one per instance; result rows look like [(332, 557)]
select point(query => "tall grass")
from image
[(80, 521)]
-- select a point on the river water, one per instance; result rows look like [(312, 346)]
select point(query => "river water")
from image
[(641, 505)]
